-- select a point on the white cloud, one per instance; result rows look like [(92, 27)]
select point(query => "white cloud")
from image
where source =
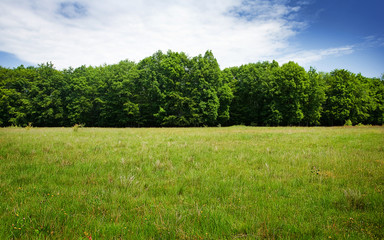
[(93, 32)]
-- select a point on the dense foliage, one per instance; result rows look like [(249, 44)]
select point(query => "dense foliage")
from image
[(173, 89)]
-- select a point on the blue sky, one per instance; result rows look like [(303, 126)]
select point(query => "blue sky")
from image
[(324, 34)]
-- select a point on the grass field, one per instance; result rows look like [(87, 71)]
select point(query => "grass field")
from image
[(192, 183)]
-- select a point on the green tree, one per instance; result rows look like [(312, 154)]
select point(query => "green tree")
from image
[(292, 92), (312, 107), (174, 90), (78, 96), (206, 79), (376, 92), (254, 89), (147, 92), (348, 98), (176, 105), (117, 109), (225, 96), (46, 97), (15, 88)]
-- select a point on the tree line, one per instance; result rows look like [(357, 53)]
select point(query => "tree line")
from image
[(173, 89)]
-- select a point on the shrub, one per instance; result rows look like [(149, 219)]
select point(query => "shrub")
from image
[(348, 123), (29, 126)]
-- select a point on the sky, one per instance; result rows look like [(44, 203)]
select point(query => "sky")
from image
[(324, 34)]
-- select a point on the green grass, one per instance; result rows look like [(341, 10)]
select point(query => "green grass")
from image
[(192, 183)]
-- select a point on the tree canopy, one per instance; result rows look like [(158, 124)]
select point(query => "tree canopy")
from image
[(173, 89)]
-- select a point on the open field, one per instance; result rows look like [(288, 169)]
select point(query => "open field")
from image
[(194, 183)]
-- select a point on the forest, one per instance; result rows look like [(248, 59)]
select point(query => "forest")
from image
[(174, 90)]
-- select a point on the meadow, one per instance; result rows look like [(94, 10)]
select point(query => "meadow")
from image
[(192, 183)]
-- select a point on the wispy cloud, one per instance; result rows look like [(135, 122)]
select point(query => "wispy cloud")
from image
[(372, 41), (93, 32), (308, 57)]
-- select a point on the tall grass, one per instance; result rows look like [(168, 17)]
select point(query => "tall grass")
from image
[(192, 183)]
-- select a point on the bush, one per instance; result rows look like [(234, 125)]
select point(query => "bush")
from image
[(348, 123)]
